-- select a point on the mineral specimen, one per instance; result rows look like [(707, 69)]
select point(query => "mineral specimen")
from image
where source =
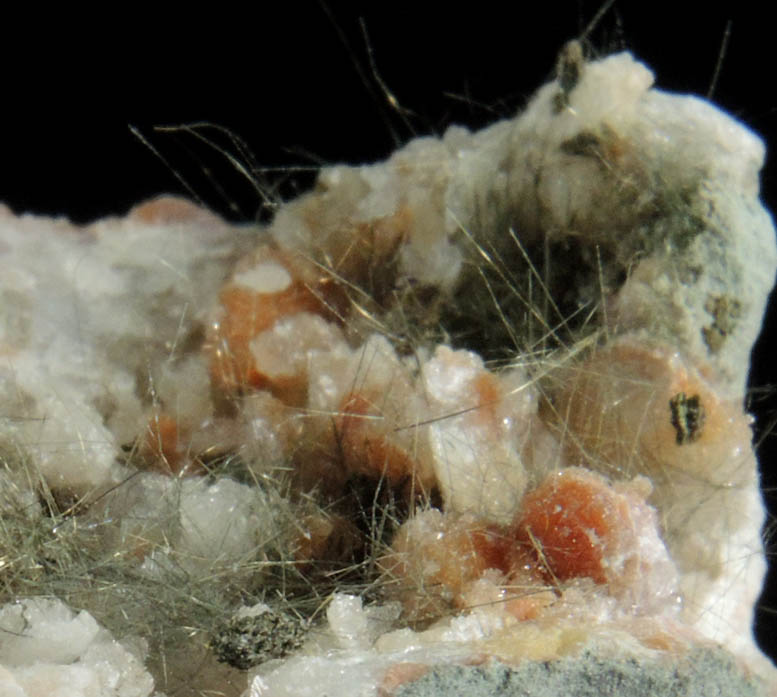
[(474, 411)]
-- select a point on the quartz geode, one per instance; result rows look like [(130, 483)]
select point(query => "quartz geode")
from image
[(477, 405)]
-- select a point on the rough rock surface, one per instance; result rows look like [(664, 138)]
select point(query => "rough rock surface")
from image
[(700, 674)]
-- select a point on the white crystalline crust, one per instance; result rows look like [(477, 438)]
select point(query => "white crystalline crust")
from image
[(104, 343), (81, 322), (50, 651)]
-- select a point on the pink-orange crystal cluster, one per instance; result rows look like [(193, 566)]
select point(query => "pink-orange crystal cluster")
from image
[(574, 525)]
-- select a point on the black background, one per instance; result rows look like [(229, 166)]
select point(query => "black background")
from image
[(296, 84)]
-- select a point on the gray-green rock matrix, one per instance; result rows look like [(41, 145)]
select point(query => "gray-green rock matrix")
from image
[(704, 673)]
